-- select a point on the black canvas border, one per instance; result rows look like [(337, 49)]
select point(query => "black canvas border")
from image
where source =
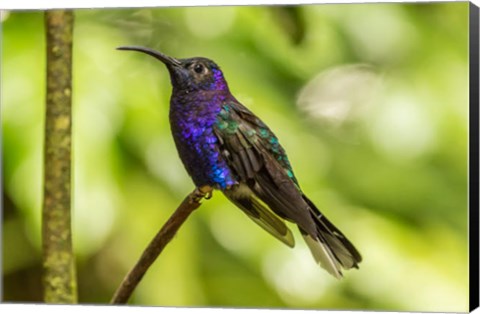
[(474, 157)]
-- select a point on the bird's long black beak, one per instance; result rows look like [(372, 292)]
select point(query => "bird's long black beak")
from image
[(167, 60)]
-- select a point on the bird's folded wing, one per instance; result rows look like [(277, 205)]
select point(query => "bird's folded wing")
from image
[(255, 155)]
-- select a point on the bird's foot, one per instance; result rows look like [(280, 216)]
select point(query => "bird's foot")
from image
[(205, 192)]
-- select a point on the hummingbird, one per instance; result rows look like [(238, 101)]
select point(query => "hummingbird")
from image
[(224, 146)]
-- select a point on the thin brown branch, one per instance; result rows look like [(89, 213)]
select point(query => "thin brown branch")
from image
[(58, 260), (156, 246)]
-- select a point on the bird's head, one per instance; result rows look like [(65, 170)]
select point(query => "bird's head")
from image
[(188, 75)]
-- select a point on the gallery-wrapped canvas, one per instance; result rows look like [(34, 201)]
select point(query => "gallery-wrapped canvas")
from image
[(320, 156)]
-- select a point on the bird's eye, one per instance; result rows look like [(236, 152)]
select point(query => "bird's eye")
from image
[(198, 68)]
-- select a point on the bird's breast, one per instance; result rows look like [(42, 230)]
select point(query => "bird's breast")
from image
[(198, 146)]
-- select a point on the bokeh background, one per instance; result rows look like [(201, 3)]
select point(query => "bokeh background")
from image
[(370, 101)]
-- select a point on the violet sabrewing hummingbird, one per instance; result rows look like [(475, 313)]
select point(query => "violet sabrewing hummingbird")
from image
[(225, 147)]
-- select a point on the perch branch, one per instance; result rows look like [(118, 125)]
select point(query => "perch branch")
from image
[(156, 246), (59, 279)]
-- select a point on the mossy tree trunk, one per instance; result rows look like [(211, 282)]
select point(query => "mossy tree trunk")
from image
[(59, 278)]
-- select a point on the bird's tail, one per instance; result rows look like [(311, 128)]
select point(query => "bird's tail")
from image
[(330, 248)]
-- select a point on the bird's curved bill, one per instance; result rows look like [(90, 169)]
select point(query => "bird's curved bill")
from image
[(156, 54)]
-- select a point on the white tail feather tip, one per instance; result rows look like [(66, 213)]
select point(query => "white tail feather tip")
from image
[(323, 256)]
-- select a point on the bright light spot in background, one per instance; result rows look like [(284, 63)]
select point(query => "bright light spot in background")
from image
[(401, 128), (232, 233), (19, 108), (93, 215), (399, 125), (4, 14), (94, 199), (27, 193), (397, 256), (296, 276), (340, 94), (163, 162), (96, 124), (380, 32), (20, 111), (209, 22), (98, 118)]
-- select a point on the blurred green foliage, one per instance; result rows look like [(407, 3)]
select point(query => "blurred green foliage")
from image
[(370, 101)]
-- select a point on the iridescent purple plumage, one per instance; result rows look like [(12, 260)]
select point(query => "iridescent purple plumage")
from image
[(192, 128), (219, 82)]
